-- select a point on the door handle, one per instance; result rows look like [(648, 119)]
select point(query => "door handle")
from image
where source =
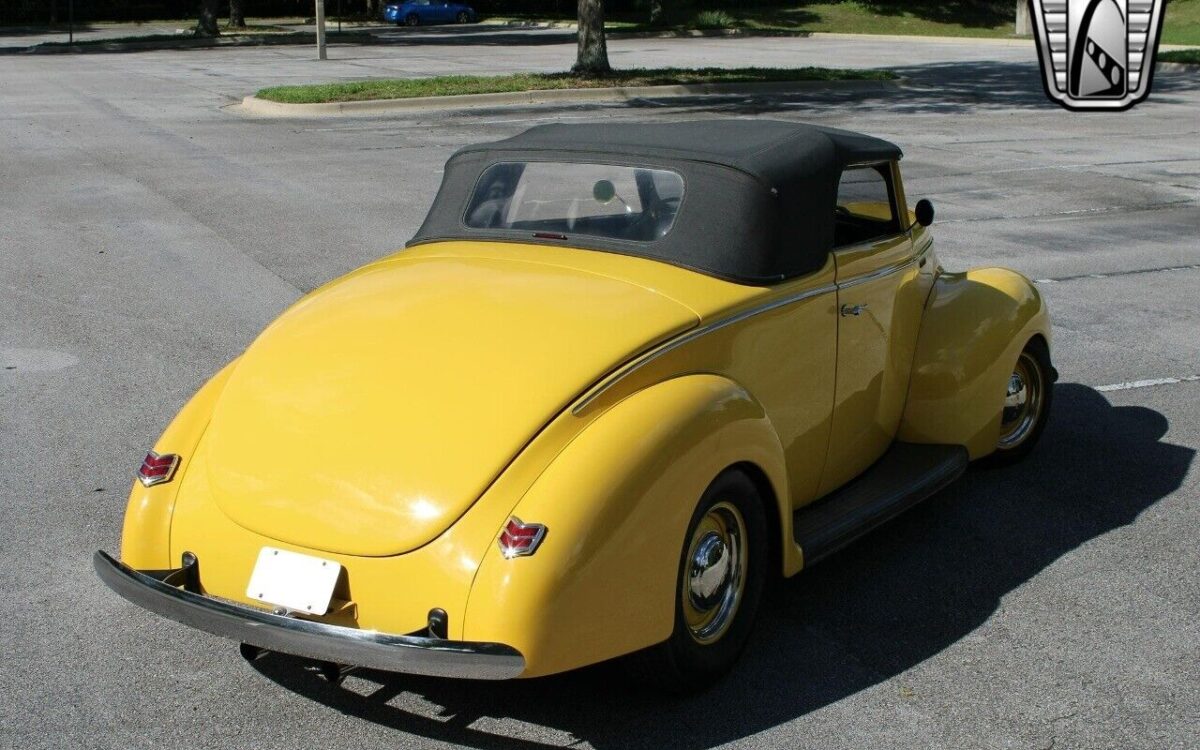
[(854, 310)]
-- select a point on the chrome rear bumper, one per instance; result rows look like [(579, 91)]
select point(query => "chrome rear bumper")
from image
[(160, 592)]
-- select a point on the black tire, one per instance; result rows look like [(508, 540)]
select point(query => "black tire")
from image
[(463, 17), (412, 19), (1034, 360), (683, 664)]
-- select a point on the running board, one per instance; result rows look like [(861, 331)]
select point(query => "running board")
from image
[(907, 474)]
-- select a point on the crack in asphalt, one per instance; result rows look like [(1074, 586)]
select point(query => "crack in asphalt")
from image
[(1078, 212), (1116, 274)]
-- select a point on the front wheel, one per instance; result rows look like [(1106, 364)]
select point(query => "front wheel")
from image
[(413, 19), (722, 568), (463, 17), (1027, 398)]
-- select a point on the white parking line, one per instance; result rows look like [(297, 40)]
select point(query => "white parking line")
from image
[(1147, 383)]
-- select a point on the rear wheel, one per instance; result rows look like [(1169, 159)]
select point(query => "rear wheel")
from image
[(463, 17), (1027, 397), (719, 584)]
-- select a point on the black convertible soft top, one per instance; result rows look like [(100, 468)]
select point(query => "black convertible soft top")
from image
[(759, 197)]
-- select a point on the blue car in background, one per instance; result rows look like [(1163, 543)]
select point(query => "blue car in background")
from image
[(419, 12)]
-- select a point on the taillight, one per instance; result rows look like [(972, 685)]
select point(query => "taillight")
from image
[(520, 539), (157, 469)]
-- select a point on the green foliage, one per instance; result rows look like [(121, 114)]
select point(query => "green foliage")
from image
[(1189, 56), (404, 88), (714, 19)]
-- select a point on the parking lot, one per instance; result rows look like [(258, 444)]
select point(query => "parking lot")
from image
[(148, 232)]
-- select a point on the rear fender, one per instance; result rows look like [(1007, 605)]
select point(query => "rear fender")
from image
[(146, 535), (974, 327), (616, 503)]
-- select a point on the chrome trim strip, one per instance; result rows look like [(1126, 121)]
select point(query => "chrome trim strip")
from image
[(690, 336), (878, 273), (316, 640), (886, 270)]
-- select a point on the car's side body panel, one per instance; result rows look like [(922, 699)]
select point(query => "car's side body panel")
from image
[(616, 504), (781, 347), (881, 293), (975, 326)]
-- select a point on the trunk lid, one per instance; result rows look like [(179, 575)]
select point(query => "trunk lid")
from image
[(372, 414)]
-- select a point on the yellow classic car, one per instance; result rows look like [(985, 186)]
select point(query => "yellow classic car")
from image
[(622, 374)]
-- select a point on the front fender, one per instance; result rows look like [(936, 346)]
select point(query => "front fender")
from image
[(146, 535), (974, 328), (616, 503)]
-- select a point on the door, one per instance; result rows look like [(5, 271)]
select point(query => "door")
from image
[(880, 299)]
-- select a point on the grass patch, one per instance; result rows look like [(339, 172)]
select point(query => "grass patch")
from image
[(405, 88), (983, 18), (1189, 56), (1181, 25), (994, 18)]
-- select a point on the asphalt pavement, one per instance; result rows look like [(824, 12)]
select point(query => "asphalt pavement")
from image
[(148, 232)]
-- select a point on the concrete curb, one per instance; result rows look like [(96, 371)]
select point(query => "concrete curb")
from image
[(1174, 67), (186, 43), (256, 107), (786, 33)]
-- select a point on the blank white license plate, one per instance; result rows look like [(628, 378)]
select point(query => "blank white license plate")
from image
[(289, 579)]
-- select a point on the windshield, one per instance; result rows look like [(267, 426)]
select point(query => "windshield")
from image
[(561, 198)]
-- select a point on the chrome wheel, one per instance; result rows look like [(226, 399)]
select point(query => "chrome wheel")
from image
[(1023, 402), (714, 577)]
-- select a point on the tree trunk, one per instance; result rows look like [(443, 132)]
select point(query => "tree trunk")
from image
[(1024, 24), (592, 57), (237, 14), (208, 19), (373, 10), (656, 12)]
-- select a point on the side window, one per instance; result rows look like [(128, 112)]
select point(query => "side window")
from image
[(865, 210)]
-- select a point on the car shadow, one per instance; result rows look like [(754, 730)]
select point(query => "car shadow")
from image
[(894, 599)]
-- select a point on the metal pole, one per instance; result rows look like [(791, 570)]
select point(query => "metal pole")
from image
[(320, 29), (339, 16), (70, 21)]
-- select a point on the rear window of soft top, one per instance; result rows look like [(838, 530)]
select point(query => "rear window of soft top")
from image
[(617, 202)]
